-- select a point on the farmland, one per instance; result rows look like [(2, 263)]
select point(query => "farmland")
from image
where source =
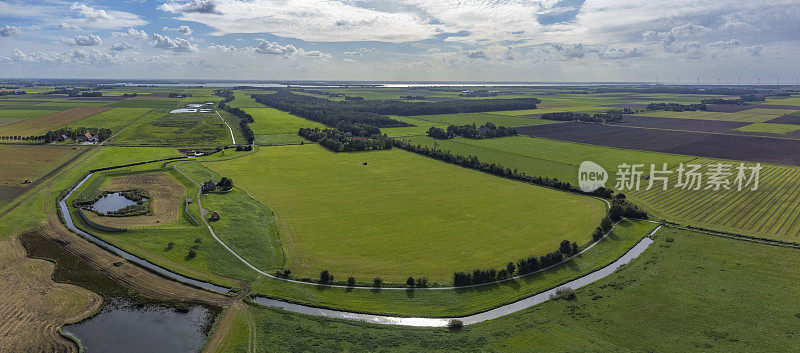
[(115, 119), (756, 115), (41, 124), (165, 192), (21, 162), (274, 127), (316, 195), (160, 128)]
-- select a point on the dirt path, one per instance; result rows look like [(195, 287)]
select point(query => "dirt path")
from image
[(229, 127)]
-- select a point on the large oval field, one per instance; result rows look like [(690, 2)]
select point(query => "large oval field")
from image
[(402, 214)]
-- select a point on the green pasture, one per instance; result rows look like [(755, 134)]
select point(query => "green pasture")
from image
[(25, 113), (115, 119), (403, 214), (421, 126), (140, 102), (547, 158), (770, 128), (161, 128), (687, 292)]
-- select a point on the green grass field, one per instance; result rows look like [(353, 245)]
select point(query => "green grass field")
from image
[(480, 119), (25, 113), (546, 158), (115, 119), (687, 292), (770, 128), (771, 211), (403, 214), (275, 127), (161, 128), (141, 102), (756, 115), (420, 128)]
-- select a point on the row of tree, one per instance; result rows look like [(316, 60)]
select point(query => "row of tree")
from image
[(338, 140), (12, 93), (244, 118), (472, 162), (611, 116), (676, 107), (76, 133), (522, 267)]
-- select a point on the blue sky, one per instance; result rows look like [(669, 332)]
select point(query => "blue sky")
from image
[(508, 40)]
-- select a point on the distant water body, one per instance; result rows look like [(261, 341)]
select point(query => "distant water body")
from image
[(369, 84)]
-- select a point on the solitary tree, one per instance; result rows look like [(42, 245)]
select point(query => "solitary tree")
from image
[(410, 281), (377, 282), (325, 277)]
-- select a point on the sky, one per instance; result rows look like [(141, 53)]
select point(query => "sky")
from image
[(404, 40)]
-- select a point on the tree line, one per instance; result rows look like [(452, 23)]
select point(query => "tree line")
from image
[(676, 107), (337, 140), (487, 130), (611, 116), (244, 118), (55, 135), (374, 112), (12, 93)]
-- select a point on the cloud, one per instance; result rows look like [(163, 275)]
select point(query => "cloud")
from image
[(94, 57), (178, 45), (287, 51), (726, 43), (20, 57), (132, 33), (120, 46), (508, 54), (195, 6), (353, 53), (569, 51), (620, 53), (184, 30), (89, 16), (68, 27), (223, 48), (476, 54), (689, 30), (84, 41), (755, 50), (8, 31)]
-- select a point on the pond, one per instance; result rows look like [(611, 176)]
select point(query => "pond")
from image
[(122, 327), (112, 202)]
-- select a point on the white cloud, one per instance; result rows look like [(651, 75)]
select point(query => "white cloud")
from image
[(94, 57), (184, 30), (476, 54), (121, 46), (620, 53), (8, 31), (288, 51), (194, 6), (68, 27), (353, 53), (223, 48), (132, 33), (178, 45), (84, 41), (569, 51), (18, 56), (92, 17)]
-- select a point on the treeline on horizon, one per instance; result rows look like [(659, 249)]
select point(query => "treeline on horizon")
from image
[(374, 112), (676, 107), (339, 140), (611, 116)]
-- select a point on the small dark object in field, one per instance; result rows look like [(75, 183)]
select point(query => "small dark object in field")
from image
[(455, 325), (365, 163), (563, 292)]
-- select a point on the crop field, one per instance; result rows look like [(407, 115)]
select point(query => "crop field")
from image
[(773, 210), (24, 113), (160, 128), (275, 127), (30, 314), (402, 214), (148, 102), (114, 119), (626, 311), (42, 124), (770, 128), (21, 162), (748, 148), (682, 124), (755, 115)]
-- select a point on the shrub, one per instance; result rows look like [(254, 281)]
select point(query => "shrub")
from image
[(410, 281), (351, 281), (377, 282), (325, 277), (455, 324), (563, 293), (192, 254)]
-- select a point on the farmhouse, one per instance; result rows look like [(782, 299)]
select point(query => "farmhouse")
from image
[(89, 138), (214, 216), (210, 185)]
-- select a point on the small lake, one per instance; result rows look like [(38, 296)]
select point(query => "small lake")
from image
[(190, 110), (121, 327), (112, 202)]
